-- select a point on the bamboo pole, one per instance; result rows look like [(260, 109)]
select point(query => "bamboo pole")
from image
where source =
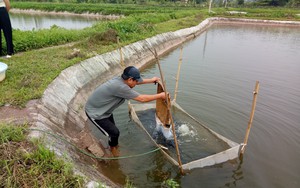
[(169, 111), (177, 77), (121, 54), (255, 92), (209, 7)]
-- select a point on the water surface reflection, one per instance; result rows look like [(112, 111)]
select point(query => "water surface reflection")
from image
[(45, 21)]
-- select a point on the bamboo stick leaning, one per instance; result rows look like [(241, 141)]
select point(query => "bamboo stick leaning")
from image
[(177, 77), (255, 92), (169, 111)]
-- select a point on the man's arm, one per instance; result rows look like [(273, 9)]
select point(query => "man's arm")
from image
[(7, 5), (149, 80), (148, 98)]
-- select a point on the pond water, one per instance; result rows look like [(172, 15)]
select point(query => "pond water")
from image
[(217, 79), (27, 22)]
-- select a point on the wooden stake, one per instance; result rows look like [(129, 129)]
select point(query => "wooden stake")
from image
[(169, 111), (177, 77), (121, 54), (255, 92)]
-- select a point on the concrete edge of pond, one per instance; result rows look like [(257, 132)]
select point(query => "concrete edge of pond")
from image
[(61, 108)]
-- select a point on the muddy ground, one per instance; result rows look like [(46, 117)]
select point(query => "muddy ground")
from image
[(16, 115)]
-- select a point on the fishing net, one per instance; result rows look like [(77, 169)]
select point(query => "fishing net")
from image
[(199, 146)]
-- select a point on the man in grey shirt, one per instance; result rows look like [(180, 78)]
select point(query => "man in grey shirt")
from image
[(110, 95)]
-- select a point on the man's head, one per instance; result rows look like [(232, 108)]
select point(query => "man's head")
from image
[(132, 73)]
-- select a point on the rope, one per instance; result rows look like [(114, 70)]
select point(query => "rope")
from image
[(91, 155)]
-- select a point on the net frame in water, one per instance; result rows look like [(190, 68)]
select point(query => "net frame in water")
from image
[(236, 150), (218, 158)]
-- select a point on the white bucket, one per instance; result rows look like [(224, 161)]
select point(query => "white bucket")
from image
[(3, 68)]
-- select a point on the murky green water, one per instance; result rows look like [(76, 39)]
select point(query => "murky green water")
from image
[(217, 78)]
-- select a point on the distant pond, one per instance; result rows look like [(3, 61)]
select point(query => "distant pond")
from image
[(28, 22)]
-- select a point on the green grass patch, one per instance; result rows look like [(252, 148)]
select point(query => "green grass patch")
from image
[(30, 164), (102, 8), (9, 133), (170, 183), (274, 13)]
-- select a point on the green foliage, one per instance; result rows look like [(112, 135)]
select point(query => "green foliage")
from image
[(47, 161), (10, 133), (102, 7), (240, 2), (272, 2), (294, 3), (29, 40), (24, 164), (132, 27), (170, 183)]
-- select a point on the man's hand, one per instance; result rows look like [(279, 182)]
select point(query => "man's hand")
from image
[(155, 79), (149, 80), (163, 95)]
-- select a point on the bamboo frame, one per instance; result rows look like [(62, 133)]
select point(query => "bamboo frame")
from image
[(255, 92), (169, 111), (121, 54), (177, 76)]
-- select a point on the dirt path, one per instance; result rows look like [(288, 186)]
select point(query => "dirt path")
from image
[(15, 115)]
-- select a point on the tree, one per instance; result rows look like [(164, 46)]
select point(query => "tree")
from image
[(240, 2), (273, 2)]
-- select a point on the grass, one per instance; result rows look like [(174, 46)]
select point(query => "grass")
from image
[(9, 134), (103, 8), (26, 163), (170, 183)]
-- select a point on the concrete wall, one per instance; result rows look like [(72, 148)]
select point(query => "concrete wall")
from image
[(61, 109)]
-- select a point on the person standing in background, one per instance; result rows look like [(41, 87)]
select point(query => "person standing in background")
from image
[(5, 25)]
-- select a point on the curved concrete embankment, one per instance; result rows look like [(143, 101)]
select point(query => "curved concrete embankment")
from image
[(61, 109)]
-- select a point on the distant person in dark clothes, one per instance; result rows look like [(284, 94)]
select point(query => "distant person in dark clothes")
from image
[(110, 95), (5, 26)]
